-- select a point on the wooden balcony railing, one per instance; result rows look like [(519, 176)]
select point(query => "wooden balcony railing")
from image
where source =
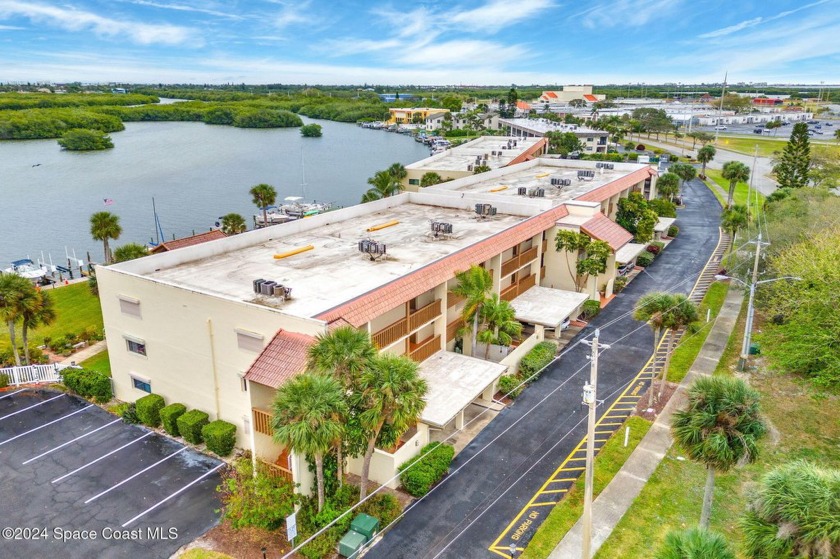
[(423, 315), (527, 256), (273, 470), (452, 329), (512, 291), (391, 333), (452, 299), (510, 266), (262, 421), (545, 245), (508, 293), (425, 349)]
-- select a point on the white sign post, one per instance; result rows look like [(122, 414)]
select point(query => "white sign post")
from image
[(291, 527)]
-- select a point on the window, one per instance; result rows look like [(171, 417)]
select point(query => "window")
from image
[(142, 384), (243, 382), (136, 346), (413, 181)]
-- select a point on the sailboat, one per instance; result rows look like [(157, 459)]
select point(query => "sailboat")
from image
[(294, 207), (158, 229)]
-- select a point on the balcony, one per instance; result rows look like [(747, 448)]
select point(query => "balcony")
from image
[(452, 299), (425, 349), (423, 315), (514, 290), (508, 293), (405, 326), (262, 421), (452, 329), (545, 245), (517, 262)]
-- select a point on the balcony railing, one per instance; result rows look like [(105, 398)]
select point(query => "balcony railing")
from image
[(425, 349), (508, 293), (262, 421), (527, 256), (514, 290), (510, 266), (273, 470), (423, 315), (391, 333), (452, 299), (545, 245), (452, 329)]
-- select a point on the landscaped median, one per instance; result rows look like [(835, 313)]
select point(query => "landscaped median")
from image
[(742, 190)]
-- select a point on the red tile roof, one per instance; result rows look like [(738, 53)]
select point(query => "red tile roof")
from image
[(189, 241), (376, 302), (530, 153), (551, 94), (523, 106), (616, 186), (283, 358), (590, 98), (602, 228)]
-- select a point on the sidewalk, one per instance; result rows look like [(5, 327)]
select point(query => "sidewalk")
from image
[(616, 498), (85, 353)]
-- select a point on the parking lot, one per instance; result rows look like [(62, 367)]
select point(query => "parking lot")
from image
[(781, 133), (75, 481)]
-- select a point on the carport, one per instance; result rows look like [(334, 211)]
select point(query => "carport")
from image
[(546, 307), (661, 227), (629, 252)]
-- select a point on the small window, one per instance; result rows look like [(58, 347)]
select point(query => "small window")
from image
[(141, 384), (413, 181), (136, 346)]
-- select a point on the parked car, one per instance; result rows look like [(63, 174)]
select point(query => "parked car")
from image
[(720, 127)]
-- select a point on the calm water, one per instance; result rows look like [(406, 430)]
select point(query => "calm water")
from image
[(195, 172)]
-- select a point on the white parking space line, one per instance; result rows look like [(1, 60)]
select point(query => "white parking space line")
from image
[(144, 470), (70, 442), (30, 407), (46, 424), (159, 503), (12, 393), (56, 480)]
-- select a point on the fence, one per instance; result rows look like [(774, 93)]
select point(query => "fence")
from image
[(31, 374)]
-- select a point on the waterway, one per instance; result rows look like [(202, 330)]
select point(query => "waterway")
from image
[(195, 172)]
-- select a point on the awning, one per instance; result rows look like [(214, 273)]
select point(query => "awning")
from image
[(547, 306), (628, 252), (454, 381), (663, 224)]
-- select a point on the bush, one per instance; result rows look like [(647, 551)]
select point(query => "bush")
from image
[(673, 231), (148, 409), (632, 157), (591, 309), (629, 145), (190, 425), (311, 131), (663, 207), (169, 417), (88, 384), (220, 436), (619, 284), (540, 356), (419, 474), (653, 249), (658, 244), (644, 260), (382, 506), (250, 500), (508, 385), (129, 414), (80, 139), (4, 380)]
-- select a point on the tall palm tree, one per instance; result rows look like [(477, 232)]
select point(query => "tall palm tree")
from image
[(694, 544), (391, 392), (732, 220), (685, 171), (130, 251), (40, 312), (705, 155), (233, 223), (263, 195), (306, 419), (500, 326), (343, 353), (384, 185), (683, 312), (734, 172), (17, 296), (474, 285), (397, 170), (105, 226), (651, 308), (668, 185), (719, 427)]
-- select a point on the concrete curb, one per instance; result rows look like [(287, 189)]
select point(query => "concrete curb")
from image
[(616, 498)]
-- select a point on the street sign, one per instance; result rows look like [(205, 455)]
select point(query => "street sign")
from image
[(291, 526)]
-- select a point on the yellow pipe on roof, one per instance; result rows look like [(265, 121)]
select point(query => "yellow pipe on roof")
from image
[(498, 189), (383, 225), (293, 252), (543, 175)]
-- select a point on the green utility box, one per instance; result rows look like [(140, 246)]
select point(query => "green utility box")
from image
[(350, 544), (755, 349), (366, 525)]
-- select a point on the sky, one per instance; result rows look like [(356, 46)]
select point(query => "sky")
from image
[(455, 42)]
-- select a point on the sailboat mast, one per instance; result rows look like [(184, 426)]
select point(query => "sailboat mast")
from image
[(157, 227), (303, 175)]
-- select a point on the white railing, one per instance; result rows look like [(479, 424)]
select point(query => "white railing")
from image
[(31, 374)]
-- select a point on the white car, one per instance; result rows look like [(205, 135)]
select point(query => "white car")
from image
[(720, 127)]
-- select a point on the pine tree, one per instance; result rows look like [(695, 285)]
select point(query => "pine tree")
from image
[(792, 168)]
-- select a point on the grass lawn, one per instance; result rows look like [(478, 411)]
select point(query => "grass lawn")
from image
[(98, 362), (766, 146), (690, 345), (198, 553), (566, 513), (76, 309), (803, 424), (741, 191)]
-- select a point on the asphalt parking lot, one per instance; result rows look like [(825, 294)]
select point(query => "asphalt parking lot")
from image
[(77, 482)]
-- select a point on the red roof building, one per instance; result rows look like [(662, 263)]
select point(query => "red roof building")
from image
[(188, 241), (283, 358)]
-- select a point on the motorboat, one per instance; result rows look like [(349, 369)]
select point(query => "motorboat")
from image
[(294, 208), (26, 268)]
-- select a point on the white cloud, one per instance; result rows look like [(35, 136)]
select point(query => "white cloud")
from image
[(497, 14), (461, 54), (626, 13), (291, 13), (186, 8), (731, 29), (11, 28), (79, 20)]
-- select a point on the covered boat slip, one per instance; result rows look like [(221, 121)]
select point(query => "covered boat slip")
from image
[(547, 307)]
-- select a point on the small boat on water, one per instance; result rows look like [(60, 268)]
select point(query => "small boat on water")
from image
[(293, 209), (26, 268)]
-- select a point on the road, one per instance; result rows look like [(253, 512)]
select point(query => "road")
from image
[(487, 500)]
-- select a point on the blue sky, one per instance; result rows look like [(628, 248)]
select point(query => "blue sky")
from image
[(421, 42)]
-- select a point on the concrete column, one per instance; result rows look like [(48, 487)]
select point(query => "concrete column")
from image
[(459, 420)]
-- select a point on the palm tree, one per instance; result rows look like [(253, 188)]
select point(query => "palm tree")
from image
[(705, 155), (719, 428), (668, 185), (131, 251), (732, 220), (263, 195), (40, 312), (734, 172), (384, 185), (694, 544), (391, 392), (343, 353), (685, 171), (17, 296), (474, 285), (397, 170), (430, 178), (233, 224), (682, 313), (105, 226), (306, 419), (500, 325), (651, 308)]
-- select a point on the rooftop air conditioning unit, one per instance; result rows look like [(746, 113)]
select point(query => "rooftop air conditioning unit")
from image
[(521, 191), (257, 283), (267, 288)]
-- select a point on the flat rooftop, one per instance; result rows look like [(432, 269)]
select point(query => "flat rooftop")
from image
[(461, 157), (333, 271), (542, 125)]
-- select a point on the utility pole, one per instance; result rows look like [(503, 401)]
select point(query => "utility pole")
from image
[(720, 110), (750, 185), (590, 399), (745, 348)]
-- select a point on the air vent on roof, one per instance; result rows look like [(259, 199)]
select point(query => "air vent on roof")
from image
[(560, 182), (522, 191), (536, 193), (441, 228), (485, 210), (607, 166), (372, 248), (271, 289), (585, 175)]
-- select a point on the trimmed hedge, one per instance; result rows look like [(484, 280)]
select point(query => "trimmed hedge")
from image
[(148, 409), (507, 384), (220, 436), (4, 380), (591, 308), (169, 417), (673, 231), (88, 384), (190, 425), (419, 474), (540, 356), (653, 249), (644, 260)]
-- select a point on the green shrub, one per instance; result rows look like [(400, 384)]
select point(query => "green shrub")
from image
[(88, 384), (382, 506), (663, 207), (190, 425), (311, 131), (629, 146), (644, 260), (419, 474), (220, 436), (591, 309), (169, 417), (619, 284), (673, 231), (632, 156), (250, 500), (659, 244), (4, 380), (148, 409), (508, 385), (539, 356), (127, 411)]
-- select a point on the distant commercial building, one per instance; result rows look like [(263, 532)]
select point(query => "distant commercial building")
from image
[(594, 141), (569, 93), (413, 115)]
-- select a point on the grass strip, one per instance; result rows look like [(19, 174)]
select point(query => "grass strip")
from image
[(98, 362)]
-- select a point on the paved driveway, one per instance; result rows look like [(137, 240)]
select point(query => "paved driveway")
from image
[(487, 501), (77, 482)]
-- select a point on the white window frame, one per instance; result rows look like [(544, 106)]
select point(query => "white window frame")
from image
[(139, 341)]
